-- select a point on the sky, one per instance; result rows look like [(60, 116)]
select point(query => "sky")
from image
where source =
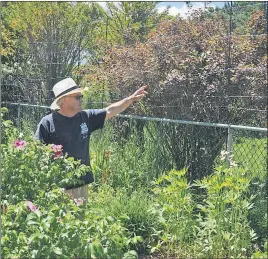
[(182, 9)]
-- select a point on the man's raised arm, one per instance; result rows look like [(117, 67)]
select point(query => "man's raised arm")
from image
[(118, 107)]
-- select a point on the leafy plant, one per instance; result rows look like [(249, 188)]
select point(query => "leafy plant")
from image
[(36, 232), (40, 219), (259, 254), (222, 224), (174, 205), (29, 167), (133, 209)]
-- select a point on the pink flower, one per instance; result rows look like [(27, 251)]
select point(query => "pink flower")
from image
[(57, 155), (56, 147), (31, 206), (57, 150), (79, 201), (20, 144)]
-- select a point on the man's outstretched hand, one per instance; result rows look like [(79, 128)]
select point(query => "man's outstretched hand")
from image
[(139, 94), (116, 108)]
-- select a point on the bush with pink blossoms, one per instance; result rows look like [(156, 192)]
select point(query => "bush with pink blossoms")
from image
[(58, 150), (28, 166), (54, 230), (39, 218)]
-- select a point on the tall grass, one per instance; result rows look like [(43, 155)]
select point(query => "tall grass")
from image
[(251, 153), (134, 211), (125, 153), (127, 159)]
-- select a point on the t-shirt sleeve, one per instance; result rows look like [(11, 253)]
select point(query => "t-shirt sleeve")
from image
[(41, 133), (96, 118)]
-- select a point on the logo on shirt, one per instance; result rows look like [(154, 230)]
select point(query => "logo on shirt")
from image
[(84, 130)]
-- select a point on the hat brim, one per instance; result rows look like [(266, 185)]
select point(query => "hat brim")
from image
[(54, 105)]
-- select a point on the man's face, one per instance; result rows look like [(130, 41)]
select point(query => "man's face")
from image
[(74, 102)]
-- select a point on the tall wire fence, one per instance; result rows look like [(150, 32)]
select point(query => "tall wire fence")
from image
[(45, 64), (181, 124), (187, 129), (163, 144)]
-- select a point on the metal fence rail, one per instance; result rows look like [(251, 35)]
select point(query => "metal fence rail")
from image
[(169, 143)]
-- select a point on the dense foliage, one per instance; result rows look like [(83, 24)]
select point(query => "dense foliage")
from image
[(144, 201), (206, 218), (194, 68)]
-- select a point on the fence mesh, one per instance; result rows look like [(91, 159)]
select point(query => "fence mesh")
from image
[(161, 146), (38, 64), (249, 150), (227, 88), (202, 71)]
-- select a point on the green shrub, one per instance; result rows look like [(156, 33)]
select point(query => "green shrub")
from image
[(31, 231), (174, 206), (222, 222), (29, 167), (134, 211), (40, 220)]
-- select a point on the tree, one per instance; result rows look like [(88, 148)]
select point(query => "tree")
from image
[(128, 22), (51, 40), (186, 65), (236, 14)]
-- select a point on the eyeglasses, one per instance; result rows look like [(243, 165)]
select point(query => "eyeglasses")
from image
[(77, 97)]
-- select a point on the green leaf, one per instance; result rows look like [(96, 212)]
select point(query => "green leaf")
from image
[(34, 253), (57, 250), (31, 216), (97, 250), (32, 222), (131, 255), (137, 239), (38, 213)]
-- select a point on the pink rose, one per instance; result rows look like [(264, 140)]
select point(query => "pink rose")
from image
[(31, 206), (57, 150), (79, 201), (20, 144)]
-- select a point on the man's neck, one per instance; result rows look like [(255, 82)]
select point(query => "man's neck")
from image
[(67, 113)]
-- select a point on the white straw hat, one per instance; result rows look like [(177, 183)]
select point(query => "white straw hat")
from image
[(64, 87)]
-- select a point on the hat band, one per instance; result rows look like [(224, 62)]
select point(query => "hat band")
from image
[(66, 91)]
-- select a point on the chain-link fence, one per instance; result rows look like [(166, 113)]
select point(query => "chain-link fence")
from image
[(157, 145), (227, 87), (207, 76), (233, 94)]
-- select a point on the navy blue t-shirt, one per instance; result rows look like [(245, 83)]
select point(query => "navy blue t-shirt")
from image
[(73, 133)]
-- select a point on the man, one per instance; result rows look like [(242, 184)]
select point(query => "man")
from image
[(70, 126)]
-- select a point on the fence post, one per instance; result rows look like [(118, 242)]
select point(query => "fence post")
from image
[(19, 112), (229, 146)]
